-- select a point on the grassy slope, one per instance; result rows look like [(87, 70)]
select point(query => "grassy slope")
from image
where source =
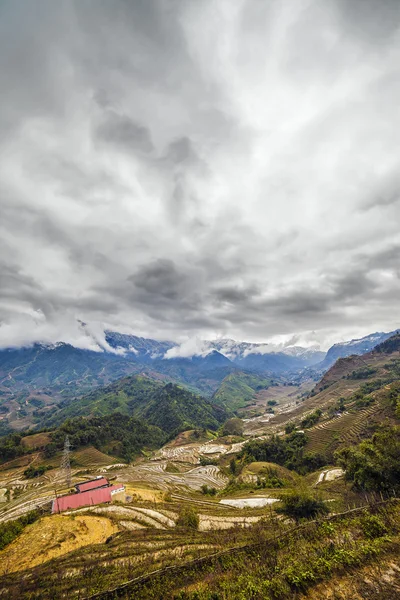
[(271, 560)]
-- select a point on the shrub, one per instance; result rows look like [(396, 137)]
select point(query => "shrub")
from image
[(188, 518), (11, 529), (373, 527), (208, 491), (300, 505), (311, 419), (32, 472)]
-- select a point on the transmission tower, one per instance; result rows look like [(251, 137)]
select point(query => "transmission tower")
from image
[(65, 462)]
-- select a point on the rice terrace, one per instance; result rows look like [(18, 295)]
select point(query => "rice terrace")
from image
[(199, 300), (208, 501)]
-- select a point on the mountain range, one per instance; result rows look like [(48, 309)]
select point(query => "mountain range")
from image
[(34, 379)]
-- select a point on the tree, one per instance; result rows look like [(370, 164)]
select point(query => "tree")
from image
[(375, 463), (290, 427), (233, 426)]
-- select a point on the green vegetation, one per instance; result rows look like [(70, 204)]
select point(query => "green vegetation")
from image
[(159, 411), (270, 561), (232, 426), (208, 491), (390, 345), (121, 436), (286, 451), (270, 480), (375, 463), (127, 396), (11, 529), (311, 419), (188, 518), (11, 447), (362, 373), (32, 472), (301, 505), (290, 427), (116, 434), (174, 409), (170, 407), (238, 389)]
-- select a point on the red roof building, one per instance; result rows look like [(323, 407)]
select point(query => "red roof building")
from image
[(88, 498), (93, 484)]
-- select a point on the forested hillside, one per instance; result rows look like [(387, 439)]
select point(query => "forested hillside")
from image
[(237, 389)]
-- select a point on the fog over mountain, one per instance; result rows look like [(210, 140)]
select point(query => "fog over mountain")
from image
[(199, 169)]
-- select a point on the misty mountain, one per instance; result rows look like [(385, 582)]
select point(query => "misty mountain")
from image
[(60, 368), (144, 349), (268, 358), (358, 346)]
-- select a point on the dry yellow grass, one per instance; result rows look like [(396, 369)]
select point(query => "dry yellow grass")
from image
[(144, 494), (52, 537)]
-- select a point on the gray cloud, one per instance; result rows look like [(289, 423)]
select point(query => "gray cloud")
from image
[(121, 130), (199, 169)]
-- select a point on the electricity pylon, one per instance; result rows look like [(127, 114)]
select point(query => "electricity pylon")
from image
[(65, 462)]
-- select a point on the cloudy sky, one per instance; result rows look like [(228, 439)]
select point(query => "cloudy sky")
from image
[(183, 168)]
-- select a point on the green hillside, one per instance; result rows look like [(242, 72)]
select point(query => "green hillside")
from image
[(237, 389), (126, 396), (115, 434), (174, 409), (171, 407)]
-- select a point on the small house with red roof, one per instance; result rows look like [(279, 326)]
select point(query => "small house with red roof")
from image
[(88, 493), (92, 484)]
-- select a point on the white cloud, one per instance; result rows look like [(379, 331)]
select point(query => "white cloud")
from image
[(191, 347), (218, 170)]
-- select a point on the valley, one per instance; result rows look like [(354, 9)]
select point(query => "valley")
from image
[(203, 482)]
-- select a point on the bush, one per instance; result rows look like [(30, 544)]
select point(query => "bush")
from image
[(208, 491), (11, 529), (188, 518), (286, 451), (32, 472), (311, 419), (373, 527), (300, 505), (290, 427)]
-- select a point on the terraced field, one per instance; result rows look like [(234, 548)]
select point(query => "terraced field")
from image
[(155, 475), (191, 453), (342, 430)]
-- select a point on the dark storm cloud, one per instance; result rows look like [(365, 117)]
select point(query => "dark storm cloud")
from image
[(160, 279), (192, 168)]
